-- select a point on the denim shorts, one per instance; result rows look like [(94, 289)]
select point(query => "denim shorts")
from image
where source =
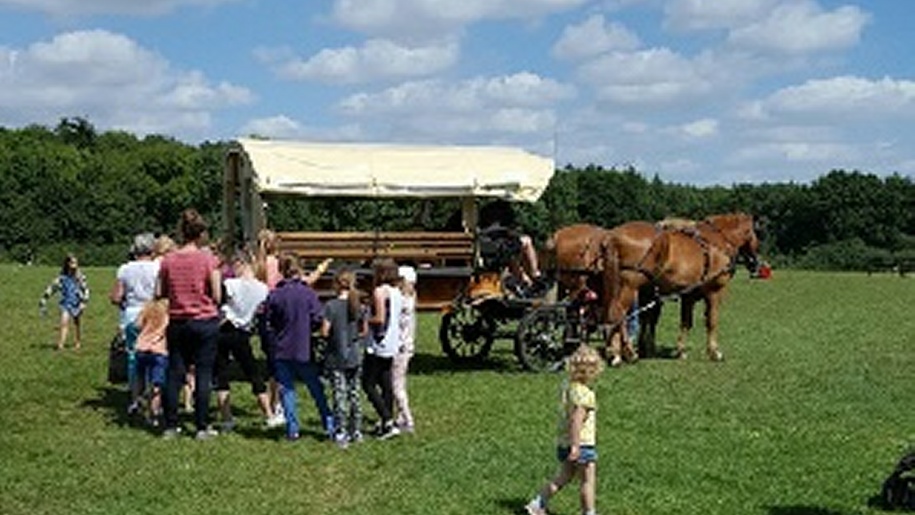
[(151, 367), (586, 454)]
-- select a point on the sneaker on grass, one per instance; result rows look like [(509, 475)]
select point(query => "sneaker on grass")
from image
[(534, 508), (206, 434), (390, 431), (171, 433), (277, 420)]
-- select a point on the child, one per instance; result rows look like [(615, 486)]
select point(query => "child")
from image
[(152, 356), (401, 362), (345, 327), (577, 433), (74, 294), (244, 295), (293, 311), (387, 302)]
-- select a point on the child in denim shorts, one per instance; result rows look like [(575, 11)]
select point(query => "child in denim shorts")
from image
[(577, 439), (152, 355)]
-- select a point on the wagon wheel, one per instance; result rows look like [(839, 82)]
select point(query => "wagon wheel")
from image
[(466, 334), (540, 343)]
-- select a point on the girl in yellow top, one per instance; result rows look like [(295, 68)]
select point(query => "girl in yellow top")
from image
[(577, 439)]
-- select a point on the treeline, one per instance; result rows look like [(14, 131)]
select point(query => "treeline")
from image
[(72, 188)]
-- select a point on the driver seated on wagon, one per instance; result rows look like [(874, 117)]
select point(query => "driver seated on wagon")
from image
[(504, 246)]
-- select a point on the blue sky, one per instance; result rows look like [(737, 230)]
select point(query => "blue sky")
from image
[(695, 91)]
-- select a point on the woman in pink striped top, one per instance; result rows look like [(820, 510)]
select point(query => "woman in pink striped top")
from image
[(189, 278)]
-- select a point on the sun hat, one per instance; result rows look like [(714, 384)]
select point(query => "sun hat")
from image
[(407, 273)]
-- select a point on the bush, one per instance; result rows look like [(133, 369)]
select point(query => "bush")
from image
[(851, 254)]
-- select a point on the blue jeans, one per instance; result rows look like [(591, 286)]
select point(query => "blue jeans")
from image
[(131, 332), (190, 342), (287, 371)]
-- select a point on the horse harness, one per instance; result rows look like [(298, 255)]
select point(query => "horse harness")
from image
[(706, 246)]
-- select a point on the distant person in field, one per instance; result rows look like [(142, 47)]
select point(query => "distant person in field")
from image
[(293, 311), (73, 289), (407, 321), (383, 344), (189, 279), (577, 439), (345, 328), (134, 286), (244, 297)]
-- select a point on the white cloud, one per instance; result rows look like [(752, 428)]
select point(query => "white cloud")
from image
[(802, 26), (113, 81), (652, 76), (377, 59), (284, 127), (848, 97), (704, 128), (488, 108), (518, 90), (91, 7), (833, 154), (593, 37), (424, 18), (705, 14)]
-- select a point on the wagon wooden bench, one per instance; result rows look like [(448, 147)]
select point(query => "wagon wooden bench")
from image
[(443, 259)]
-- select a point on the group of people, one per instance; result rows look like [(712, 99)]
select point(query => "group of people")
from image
[(188, 311)]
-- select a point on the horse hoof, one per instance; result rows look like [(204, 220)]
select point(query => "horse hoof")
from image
[(716, 356), (616, 361), (681, 356)]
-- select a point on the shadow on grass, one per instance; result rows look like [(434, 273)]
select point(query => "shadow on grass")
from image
[(512, 505), (432, 364), (113, 400), (801, 510)]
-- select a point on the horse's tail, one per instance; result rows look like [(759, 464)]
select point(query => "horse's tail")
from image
[(547, 257), (612, 281)]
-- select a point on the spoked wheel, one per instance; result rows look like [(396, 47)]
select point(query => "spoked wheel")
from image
[(540, 343), (466, 334)]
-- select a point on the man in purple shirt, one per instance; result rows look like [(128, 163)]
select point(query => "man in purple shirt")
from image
[(293, 312)]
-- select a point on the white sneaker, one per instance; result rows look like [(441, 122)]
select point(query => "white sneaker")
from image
[(533, 508), (277, 420), (390, 432)]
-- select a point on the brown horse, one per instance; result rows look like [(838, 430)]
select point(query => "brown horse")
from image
[(578, 255), (693, 261)]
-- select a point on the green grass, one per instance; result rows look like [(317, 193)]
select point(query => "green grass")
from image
[(807, 415)]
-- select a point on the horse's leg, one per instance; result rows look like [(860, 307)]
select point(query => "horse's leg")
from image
[(648, 321), (629, 299), (618, 337), (712, 303), (686, 323)]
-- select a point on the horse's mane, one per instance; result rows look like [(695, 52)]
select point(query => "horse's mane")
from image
[(675, 224), (729, 220)]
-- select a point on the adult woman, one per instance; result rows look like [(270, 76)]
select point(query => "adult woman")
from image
[(134, 286), (189, 278)]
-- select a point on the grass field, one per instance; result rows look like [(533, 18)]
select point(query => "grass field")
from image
[(807, 415)]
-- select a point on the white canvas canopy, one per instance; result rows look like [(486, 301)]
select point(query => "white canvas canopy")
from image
[(388, 171)]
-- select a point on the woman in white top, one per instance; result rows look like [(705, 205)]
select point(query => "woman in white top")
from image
[(134, 286)]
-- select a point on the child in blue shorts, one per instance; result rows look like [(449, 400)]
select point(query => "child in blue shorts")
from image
[(152, 355), (74, 294), (575, 447)]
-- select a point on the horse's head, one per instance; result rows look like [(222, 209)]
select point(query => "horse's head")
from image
[(739, 229)]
